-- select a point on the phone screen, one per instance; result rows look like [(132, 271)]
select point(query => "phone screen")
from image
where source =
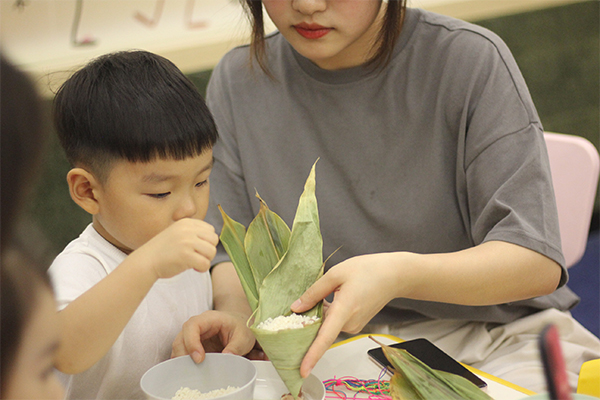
[(431, 355)]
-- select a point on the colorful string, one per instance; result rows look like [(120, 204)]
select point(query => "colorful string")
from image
[(376, 389)]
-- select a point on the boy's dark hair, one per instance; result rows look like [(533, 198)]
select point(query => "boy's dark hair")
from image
[(131, 105)]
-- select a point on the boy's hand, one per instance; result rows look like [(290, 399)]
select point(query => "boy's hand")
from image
[(187, 243), (213, 332)]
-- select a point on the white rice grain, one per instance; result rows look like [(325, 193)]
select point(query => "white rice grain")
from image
[(293, 321), (185, 393)]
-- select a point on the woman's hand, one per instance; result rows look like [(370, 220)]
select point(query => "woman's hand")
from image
[(362, 286)]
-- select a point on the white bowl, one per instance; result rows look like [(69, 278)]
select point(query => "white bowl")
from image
[(217, 371)]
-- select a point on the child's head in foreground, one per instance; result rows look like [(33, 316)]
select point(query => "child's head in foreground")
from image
[(30, 331), (139, 138)]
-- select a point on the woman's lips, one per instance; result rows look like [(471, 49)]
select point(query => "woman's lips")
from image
[(311, 31)]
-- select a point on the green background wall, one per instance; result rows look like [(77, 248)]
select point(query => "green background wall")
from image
[(557, 50)]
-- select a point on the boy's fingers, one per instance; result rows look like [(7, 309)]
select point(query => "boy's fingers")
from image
[(199, 228), (189, 341), (179, 349), (237, 347), (203, 254), (206, 232), (236, 341), (255, 354), (206, 249), (209, 236)]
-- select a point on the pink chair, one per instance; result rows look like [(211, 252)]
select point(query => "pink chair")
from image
[(575, 165)]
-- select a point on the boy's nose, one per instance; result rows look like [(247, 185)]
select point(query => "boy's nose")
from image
[(187, 209), (309, 7)]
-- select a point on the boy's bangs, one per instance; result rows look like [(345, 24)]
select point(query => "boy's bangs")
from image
[(167, 130), (167, 118)]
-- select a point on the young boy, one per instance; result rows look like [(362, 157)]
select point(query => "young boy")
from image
[(139, 137)]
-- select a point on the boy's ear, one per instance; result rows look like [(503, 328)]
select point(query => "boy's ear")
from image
[(82, 186)]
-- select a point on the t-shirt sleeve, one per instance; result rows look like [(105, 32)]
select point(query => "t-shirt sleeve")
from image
[(228, 185), (515, 203), (507, 172), (73, 274)]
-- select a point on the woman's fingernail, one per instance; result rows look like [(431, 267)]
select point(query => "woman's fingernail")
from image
[(296, 304)]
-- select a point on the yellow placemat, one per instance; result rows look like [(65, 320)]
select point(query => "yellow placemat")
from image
[(501, 383)]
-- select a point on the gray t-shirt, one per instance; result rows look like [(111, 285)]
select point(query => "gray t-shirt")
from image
[(440, 151)]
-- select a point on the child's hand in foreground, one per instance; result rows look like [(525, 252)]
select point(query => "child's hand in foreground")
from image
[(187, 243), (213, 332)]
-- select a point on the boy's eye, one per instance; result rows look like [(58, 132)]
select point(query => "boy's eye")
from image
[(200, 184), (159, 195)]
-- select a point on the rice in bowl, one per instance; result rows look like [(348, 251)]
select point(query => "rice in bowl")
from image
[(185, 393)]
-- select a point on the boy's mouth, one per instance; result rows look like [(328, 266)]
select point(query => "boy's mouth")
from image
[(311, 31)]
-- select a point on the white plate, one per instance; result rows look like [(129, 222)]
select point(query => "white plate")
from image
[(269, 385)]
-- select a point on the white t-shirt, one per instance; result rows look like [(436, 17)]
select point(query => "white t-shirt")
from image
[(147, 338)]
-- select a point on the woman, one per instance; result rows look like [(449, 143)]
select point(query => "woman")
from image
[(433, 177)]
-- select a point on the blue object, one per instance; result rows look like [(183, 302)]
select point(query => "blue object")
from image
[(584, 279)]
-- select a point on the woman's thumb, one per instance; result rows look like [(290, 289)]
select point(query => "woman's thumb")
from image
[(314, 294)]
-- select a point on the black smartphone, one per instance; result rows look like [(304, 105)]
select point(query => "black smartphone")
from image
[(431, 355)]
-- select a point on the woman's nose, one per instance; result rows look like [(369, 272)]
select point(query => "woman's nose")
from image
[(309, 7)]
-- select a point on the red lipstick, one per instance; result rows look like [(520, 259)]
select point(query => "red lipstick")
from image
[(311, 31)]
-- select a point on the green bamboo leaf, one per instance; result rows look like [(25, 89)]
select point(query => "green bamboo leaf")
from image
[(282, 265), (297, 270), (401, 389), (419, 381), (232, 238), (424, 381), (266, 241), (278, 229), (302, 265), (465, 387)]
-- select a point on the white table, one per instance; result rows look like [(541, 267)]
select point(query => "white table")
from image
[(349, 359)]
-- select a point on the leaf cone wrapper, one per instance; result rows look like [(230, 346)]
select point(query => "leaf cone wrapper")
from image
[(276, 266), (286, 349)]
